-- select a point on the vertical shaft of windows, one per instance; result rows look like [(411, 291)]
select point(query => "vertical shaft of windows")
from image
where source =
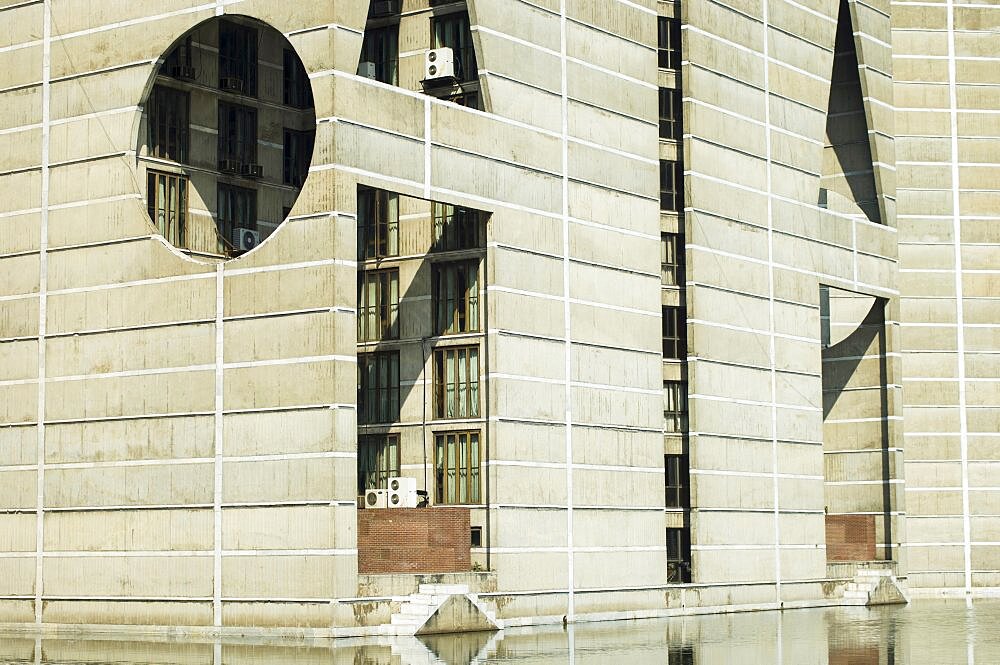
[(675, 406), (296, 90), (671, 185), (674, 334), (166, 196), (677, 491), (455, 295), (378, 305), (669, 42), (180, 62), (168, 123), (378, 460), (456, 382), (237, 58), (237, 136), (671, 113), (679, 555), (455, 228), (296, 156), (378, 387), (237, 209), (378, 224), (381, 48), (452, 30), (672, 259), (457, 465)]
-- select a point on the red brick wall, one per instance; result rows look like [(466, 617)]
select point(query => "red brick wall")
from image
[(413, 540), (850, 537)]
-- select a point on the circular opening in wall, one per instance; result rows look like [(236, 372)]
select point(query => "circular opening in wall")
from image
[(226, 137)]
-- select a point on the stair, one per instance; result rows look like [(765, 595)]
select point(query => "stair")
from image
[(419, 608), (874, 586)]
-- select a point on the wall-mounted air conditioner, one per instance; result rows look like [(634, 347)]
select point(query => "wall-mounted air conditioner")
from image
[(439, 65), (253, 170), (366, 69), (376, 498), (230, 166), (183, 72), (245, 239), (231, 83), (402, 492)]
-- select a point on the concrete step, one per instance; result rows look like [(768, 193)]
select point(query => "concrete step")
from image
[(399, 620), (408, 610), (444, 589)]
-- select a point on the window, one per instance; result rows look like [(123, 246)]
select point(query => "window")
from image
[(381, 48), (237, 58), (237, 137), (378, 305), (455, 227), (378, 387), (671, 110), (166, 198), (378, 224), (674, 334), (671, 185), (677, 492), (672, 259), (378, 460), (456, 467), (669, 42), (455, 292), (476, 536), (675, 406), (456, 382), (297, 155), (168, 124), (180, 62), (678, 556), (296, 90), (237, 207), (452, 30)]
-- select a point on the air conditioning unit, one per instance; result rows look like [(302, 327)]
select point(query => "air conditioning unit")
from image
[(231, 83), (231, 165), (402, 492), (245, 239), (383, 8), (377, 499), (183, 72), (367, 69), (439, 64), (253, 170)]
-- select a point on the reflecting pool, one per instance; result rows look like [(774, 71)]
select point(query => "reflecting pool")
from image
[(927, 631)]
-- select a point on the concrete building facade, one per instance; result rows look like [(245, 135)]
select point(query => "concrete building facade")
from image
[(465, 291)]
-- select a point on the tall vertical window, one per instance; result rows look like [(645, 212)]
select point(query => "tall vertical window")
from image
[(378, 387), (452, 30), (378, 224), (671, 185), (457, 465), (677, 493), (674, 334), (237, 209), (381, 49), (456, 382), (180, 62), (296, 156), (669, 42), (455, 227), (378, 305), (168, 123), (166, 198), (678, 556), (675, 406), (296, 90), (237, 137), (455, 294), (378, 460), (671, 113), (237, 58), (672, 259)]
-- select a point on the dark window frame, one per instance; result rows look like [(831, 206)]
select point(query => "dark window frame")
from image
[(378, 224), (296, 90), (675, 407), (296, 156), (378, 460), (674, 328), (378, 305), (170, 220), (238, 53), (378, 387), (671, 185), (453, 30), (456, 227), (678, 545), (455, 397), (677, 490), (672, 260), (668, 42), (448, 470), (169, 123), (455, 297), (236, 207), (237, 138), (671, 106), (381, 46)]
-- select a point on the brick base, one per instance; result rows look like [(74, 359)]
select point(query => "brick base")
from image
[(850, 537), (413, 540)]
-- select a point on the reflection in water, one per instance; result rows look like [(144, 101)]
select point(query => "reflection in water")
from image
[(925, 632)]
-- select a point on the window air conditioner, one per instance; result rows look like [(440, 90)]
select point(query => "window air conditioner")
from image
[(376, 498), (253, 170), (231, 83), (183, 72), (245, 239), (439, 65), (402, 492), (367, 69), (230, 166)]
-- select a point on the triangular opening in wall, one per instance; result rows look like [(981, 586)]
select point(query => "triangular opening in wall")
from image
[(848, 179)]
